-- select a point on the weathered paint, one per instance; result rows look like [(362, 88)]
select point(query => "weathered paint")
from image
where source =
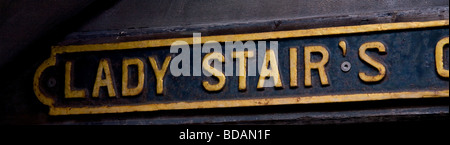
[(246, 103), (63, 50)]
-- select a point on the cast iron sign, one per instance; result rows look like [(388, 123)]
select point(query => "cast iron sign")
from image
[(321, 65)]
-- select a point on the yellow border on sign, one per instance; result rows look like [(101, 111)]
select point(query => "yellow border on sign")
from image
[(248, 103), (234, 103), (252, 36)]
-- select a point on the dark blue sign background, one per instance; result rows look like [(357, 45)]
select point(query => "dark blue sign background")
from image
[(409, 62)]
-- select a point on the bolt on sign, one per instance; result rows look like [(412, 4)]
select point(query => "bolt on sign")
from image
[(320, 65)]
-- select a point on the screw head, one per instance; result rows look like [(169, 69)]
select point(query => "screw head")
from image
[(346, 66), (51, 82)]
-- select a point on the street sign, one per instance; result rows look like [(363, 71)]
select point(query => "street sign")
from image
[(321, 65)]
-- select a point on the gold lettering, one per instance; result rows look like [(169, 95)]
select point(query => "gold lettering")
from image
[(273, 72), (160, 73), (242, 56), (380, 67), (439, 57), (68, 91), (320, 66), (126, 91), (214, 72), (103, 66), (293, 67)]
